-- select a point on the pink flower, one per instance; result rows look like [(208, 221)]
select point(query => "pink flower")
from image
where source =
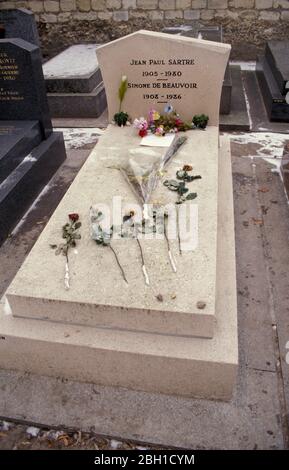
[(159, 131), (140, 123)]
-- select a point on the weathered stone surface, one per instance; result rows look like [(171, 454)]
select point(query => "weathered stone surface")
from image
[(192, 14), (67, 5), (263, 4), (83, 5), (91, 301), (183, 4), (166, 4), (121, 15), (269, 15), (51, 6), (98, 5), (38, 7), (217, 3), (74, 70), (174, 14)]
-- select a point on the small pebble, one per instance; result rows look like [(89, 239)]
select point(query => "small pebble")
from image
[(159, 297), (201, 305)]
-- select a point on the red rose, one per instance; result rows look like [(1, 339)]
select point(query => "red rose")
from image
[(73, 217), (178, 122), (143, 132)]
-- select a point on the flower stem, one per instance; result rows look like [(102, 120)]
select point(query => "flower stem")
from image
[(178, 230), (172, 261), (147, 281), (120, 267), (67, 276)]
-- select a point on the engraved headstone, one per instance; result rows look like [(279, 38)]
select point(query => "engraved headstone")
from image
[(19, 23), (30, 152), (164, 69), (22, 88)]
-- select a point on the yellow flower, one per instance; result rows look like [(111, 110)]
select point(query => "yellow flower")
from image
[(156, 116)]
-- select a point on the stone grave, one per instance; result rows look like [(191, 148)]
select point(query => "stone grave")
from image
[(273, 76), (19, 23), (74, 83), (179, 333), (30, 152)]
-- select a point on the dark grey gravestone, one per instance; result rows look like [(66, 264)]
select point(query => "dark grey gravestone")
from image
[(22, 87), (277, 108), (277, 56), (30, 152), (75, 70), (19, 23), (23, 185), (18, 139)]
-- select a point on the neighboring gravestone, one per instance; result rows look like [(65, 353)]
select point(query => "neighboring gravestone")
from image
[(29, 150), (164, 69), (273, 74), (74, 83), (22, 88), (19, 24)]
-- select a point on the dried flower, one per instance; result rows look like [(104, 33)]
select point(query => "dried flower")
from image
[(187, 168), (73, 217), (70, 234)]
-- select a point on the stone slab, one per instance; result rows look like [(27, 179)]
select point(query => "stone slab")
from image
[(78, 105), (238, 119), (25, 182), (226, 96), (185, 72), (277, 55), (141, 361), (75, 70), (38, 289), (22, 89), (19, 23), (17, 139), (277, 108)]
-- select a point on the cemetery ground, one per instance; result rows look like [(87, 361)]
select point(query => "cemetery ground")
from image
[(256, 417)]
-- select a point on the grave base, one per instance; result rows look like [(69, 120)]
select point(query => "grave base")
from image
[(25, 182), (277, 108), (199, 367), (78, 105), (238, 118), (17, 139)]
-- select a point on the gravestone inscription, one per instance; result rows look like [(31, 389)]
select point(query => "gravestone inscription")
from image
[(19, 23), (22, 88), (164, 69)]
